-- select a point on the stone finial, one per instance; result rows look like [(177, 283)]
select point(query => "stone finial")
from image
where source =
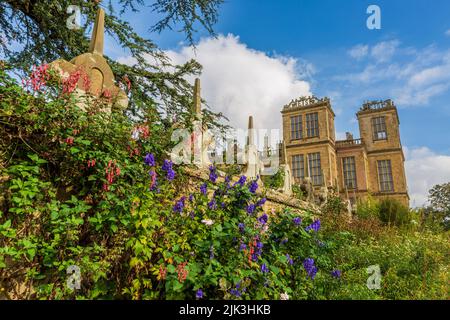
[(266, 146), (250, 122), (93, 66), (98, 33), (197, 98), (250, 140)]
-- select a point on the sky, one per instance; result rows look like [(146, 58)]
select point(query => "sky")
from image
[(268, 52)]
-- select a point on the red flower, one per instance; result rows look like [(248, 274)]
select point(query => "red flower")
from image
[(71, 82), (91, 163), (107, 93), (69, 140), (111, 171), (38, 77), (153, 175), (162, 272), (127, 82), (182, 272)]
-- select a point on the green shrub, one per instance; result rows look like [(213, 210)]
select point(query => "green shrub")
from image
[(81, 191), (275, 181), (334, 205), (367, 208), (392, 212), (297, 191)]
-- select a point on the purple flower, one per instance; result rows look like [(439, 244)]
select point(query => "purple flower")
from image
[(212, 174), (258, 251), (203, 188), (263, 219), (264, 268), (167, 166), (243, 247), (192, 215), (284, 241), (310, 268), (179, 205), (236, 292), (199, 294), (261, 202), (289, 259), (241, 181), (297, 221), (241, 227), (150, 160), (314, 226), (223, 205), (251, 208), (336, 274), (212, 204), (253, 186), (191, 197), (170, 175)]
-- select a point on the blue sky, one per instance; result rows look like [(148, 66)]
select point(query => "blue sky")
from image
[(269, 52)]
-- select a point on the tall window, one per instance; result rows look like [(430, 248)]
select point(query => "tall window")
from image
[(385, 176), (349, 172), (312, 124), (315, 169), (296, 127), (298, 166), (379, 128)]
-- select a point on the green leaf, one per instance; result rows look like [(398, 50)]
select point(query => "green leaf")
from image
[(6, 225), (177, 286), (171, 268), (274, 269), (74, 150)]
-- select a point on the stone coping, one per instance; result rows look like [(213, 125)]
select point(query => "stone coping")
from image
[(271, 195)]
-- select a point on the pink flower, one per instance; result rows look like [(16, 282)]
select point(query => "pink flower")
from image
[(38, 77)]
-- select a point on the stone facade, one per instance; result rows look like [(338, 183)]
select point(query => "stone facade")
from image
[(373, 164)]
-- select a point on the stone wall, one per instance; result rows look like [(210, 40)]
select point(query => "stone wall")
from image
[(275, 200)]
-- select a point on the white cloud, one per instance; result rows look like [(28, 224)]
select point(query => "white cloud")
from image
[(424, 169), (383, 51), (447, 33), (240, 81), (412, 78), (358, 52)]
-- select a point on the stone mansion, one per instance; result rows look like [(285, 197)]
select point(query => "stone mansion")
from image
[(372, 164)]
